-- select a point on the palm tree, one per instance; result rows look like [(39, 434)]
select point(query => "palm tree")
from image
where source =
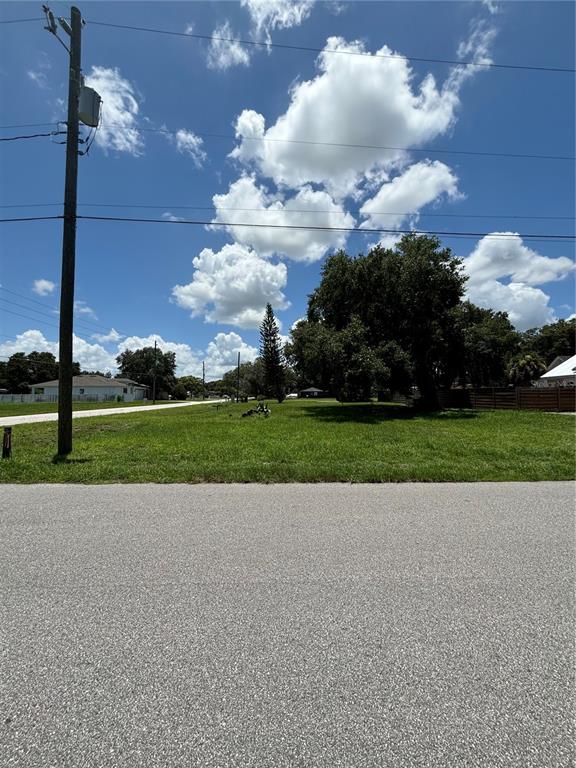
[(525, 369)]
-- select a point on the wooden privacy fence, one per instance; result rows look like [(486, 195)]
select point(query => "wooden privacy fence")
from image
[(519, 398)]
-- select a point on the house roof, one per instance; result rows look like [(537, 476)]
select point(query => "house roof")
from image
[(312, 389), (557, 361), (89, 381), (567, 368), (129, 381)]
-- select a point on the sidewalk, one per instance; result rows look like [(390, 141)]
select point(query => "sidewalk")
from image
[(10, 421)]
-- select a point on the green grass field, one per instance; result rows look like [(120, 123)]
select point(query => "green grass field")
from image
[(24, 409), (302, 441)]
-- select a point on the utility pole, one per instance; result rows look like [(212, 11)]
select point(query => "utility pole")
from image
[(154, 377), (203, 381), (238, 381), (69, 242)]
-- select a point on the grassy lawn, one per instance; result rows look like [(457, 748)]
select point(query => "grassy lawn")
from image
[(302, 441), (23, 409)]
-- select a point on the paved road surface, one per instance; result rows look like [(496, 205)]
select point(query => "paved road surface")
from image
[(261, 626), (7, 421)]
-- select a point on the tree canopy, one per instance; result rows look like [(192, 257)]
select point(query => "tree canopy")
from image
[(396, 309), (21, 371), (397, 319), (550, 341), (142, 364)]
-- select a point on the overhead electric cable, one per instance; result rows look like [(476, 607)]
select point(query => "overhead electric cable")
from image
[(29, 125), (90, 325), (96, 326), (368, 230), (351, 230), (356, 211), (33, 136), (309, 142), (20, 21), (310, 49), (85, 325), (31, 218), (344, 145), (27, 317)]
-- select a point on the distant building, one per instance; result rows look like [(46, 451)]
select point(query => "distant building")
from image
[(561, 374), (94, 388), (312, 392)]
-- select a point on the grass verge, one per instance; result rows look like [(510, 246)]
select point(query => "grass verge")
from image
[(302, 441)]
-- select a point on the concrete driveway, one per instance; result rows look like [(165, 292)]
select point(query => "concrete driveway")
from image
[(259, 626)]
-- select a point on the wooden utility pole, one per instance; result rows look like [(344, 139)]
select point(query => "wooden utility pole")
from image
[(238, 381), (203, 381), (65, 351), (154, 378)]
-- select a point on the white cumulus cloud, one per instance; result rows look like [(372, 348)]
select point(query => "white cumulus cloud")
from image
[(120, 109), (81, 308), (527, 307), (222, 353), (223, 52), (402, 198), (356, 99), (503, 274), (232, 286), (267, 15), (187, 143), (90, 356), (106, 338), (43, 287), (495, 258), (249, 203), (219, 356), (171, 216)]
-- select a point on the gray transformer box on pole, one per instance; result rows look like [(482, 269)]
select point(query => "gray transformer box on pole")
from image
[(89, 107)]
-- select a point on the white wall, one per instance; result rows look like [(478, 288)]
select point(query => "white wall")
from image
[(89, 394)]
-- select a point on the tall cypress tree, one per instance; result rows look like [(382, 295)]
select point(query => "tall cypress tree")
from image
[(271, 354)]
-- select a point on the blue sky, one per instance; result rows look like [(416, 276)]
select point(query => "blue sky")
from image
[(200, 291)]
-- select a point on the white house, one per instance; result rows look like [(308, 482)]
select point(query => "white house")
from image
[(93, 388), (561, 375)]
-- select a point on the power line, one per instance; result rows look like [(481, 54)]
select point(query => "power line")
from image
[(351, 230), (85, 326), (344, 145), (27, 317), (310, 49), (356, 211), (78, 321), (33, 136), (31, 218), (96, 326), (371, 230), (30, 125), (308, 142), (426, 150), (20, 21)]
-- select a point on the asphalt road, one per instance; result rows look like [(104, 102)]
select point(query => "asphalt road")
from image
[(260, 626)]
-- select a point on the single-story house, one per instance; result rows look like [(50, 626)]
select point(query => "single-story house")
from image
[(560, 375), (312, 392), (94, 388)]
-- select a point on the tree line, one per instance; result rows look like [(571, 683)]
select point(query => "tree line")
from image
[(393, 319), (396, 319)]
